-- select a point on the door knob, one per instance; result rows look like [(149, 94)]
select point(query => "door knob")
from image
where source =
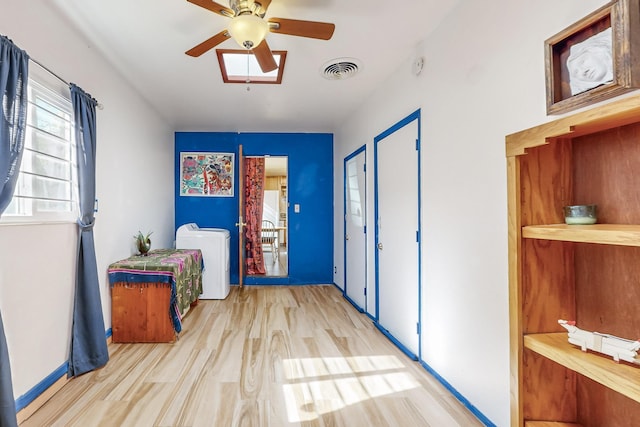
[(346, 237), (380, 246)]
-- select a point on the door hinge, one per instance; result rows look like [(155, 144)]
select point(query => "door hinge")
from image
[(418, 236), (364, 167), (417, 144), (365, 229), (365, 292), (418, 328)]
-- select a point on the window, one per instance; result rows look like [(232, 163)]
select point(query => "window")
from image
[(47, 185)]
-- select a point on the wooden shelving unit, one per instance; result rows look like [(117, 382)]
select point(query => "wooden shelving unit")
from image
[(619, 377), (587, 273)]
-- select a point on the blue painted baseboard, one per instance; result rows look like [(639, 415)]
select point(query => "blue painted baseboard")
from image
[(352, 302), (41, 387), (479, 415), (31, 395), (398, 344), (361, 310)]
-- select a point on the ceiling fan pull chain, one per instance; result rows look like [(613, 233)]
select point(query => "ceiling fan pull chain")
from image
[(248, 73)]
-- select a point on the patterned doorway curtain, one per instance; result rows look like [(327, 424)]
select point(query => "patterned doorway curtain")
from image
[(253, 198)]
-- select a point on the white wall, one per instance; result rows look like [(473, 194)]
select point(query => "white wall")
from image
[(483, 79), (134, 188)]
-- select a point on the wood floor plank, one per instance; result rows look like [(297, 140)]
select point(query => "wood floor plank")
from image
[(278, 356), (68, 403), (135, 366), (276, 319), (145, 406), (184, 392), (253, 374), (210, 331), (217, 402)]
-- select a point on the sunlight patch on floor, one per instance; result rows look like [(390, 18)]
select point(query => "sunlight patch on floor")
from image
[(321, 366), (363, 378)]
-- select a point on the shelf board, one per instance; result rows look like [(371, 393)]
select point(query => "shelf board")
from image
[(619, 377), (608, 234), (550, 424)]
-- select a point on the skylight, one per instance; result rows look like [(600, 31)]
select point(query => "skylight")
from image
[(240, 66)]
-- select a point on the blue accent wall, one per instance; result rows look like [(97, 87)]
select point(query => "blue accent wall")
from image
[(310, 184)]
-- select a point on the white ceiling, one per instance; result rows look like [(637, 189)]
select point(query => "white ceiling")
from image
[(146, 40)]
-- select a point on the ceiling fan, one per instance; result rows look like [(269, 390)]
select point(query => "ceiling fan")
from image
[(249, 28)]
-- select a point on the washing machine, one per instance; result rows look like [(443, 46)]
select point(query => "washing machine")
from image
[(214, 244)]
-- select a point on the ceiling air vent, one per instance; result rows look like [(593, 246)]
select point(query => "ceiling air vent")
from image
[(340, 69)]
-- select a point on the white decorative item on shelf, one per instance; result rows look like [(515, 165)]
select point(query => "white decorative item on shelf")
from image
[(616, 347)]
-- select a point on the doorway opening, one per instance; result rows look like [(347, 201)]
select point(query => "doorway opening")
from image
[(274, 217)]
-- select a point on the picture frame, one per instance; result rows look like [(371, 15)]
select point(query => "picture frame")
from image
[(205, 174), (595, 59)]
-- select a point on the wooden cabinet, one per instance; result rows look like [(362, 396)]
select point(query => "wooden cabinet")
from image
[(272, 183), (275, 183), (140, 313), (150, 294), (587, 273)]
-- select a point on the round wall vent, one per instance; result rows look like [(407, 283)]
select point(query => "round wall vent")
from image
[(340, 69)]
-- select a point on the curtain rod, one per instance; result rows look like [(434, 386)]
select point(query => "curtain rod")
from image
[(99, 105)]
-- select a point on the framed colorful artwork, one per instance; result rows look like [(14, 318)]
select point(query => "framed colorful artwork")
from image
[(206, 174)]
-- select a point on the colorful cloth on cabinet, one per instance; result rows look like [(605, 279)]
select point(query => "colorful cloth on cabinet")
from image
[(180, 268)]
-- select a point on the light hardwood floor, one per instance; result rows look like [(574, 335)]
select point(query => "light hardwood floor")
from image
[(279, 267), (266, 356)]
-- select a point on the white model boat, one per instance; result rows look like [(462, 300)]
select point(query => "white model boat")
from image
[(616, 347)]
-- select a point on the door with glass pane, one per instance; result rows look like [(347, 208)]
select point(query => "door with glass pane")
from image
[(355, 237)]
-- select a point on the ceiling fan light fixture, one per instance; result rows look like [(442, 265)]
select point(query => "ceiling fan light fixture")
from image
[(248, 30)]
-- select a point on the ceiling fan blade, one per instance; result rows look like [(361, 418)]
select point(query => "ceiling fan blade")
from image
[(264, 57), (208, 44), (214, 7), (294, 27)]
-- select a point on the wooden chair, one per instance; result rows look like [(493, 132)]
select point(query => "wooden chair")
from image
[(269, 237)]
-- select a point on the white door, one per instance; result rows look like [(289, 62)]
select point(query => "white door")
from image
[(355, 243), (397, 226)]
